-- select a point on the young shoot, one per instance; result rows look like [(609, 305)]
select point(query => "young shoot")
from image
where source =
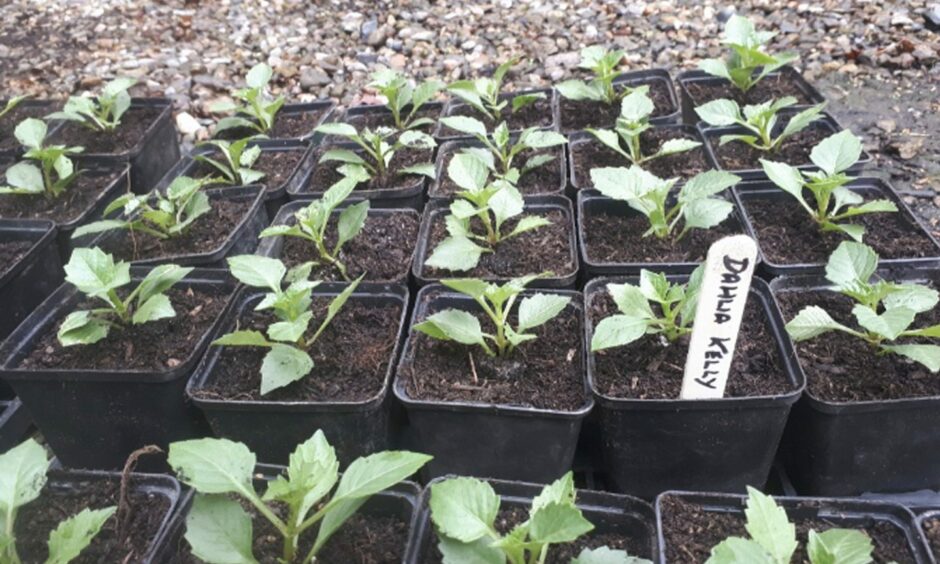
[(55, 171), (11, 104), (884, 310), (482, 94), (23, 469), (237, 159), (287, 340), (654, 307), (635, 111), (257, 111), (464, 512), (219, 530), (496, 302), (493, 203), (603, 64), (834, 202), (759, 119), (379, 147), (403, 99), (311, 223), (695, 205), (772, 539), (747, 63), (102, 113), (95, 274)]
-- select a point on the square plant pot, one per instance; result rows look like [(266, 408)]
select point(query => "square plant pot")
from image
[(526, 438), (556, 244), (618, 519), (383, 250), (541, 115), (661, 442), (28, 108), (373, 116), (573, 115), (696, 87), (95, 417), (294, 122), (715, 516), (15, 423), (356, 421), (928, 523), (31, 268), (790, 242)]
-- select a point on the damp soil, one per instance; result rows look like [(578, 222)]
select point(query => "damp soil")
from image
[(795, 150), (538, 114), (775, 86), (326, 174), (351, 357), (545, 179), (158, 346), (840, 368), (286, 125), (134, 125), (546, 373), (11, 252), (61, 499), (13, 118), (932, 532), (547, 248), (651, 368), (690, 532), (68, 207), (577, 115), (278, 167), (383, 118)]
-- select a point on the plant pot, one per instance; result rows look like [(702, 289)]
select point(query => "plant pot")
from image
[(575, 116), (715, 516), (377, 115), (582, 146), (563, 262), (294, 122), (929, 528), (15, 423), (614, 516), (94, 418), (274, 425), (498, 439), (548, 179), (799, 144), (786, 79), (34, 269), (541, 115), (28, 108), (384, 253), (242, 237), (150, 155), (626, 225), (652, 445), (900, 230)]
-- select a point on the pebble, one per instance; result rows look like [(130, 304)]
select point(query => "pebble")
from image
[(187, 124), (311, 78)]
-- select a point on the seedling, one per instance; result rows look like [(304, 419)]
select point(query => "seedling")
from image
[(834, 202), (654, 307), (482, 94), (491, 202), (603, 64), (378, 147), (401, 95), (464, 512), (748, 63), (695, 204), (496, 301), (257, 111), (635, 111), (773, 539), (95, 274), (310, 223), (238, 157), (287, 359), (884, 310), (158, 215), (22, 477), (102, 113), (759, 119), (499, 152), (219, 530), (11, 104), (55, 172)]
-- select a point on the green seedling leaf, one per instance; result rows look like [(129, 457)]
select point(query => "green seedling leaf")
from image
[(219, 530), (72, 536)]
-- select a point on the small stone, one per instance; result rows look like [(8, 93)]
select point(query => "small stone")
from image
[(187, 124), (377, 38), (423, 35), (368, 27), (311, 78), (924, 54), (725, 13), (367, 58), (909, 149), (886, 125), (397, 61), (901, 18), (932, 17)]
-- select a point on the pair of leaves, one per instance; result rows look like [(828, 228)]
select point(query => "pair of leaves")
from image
[(603, 64), (238, 160), (747, 64), (257, 111), (759, 119), (102, 113), (25, 177), (400, 94), (483, 94), (377, 151)]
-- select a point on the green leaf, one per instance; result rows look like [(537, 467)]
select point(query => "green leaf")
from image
[(839, 546), (715, 67), (673, 146), (874, 206), (424, 169), (707, 184), (801, 121), (558, 523), (479, 551), (538, 309), (811, 322), (22, 475), (25, 176), (283, 365), (912, 296), (259, 76), (465, 124), (468, 172), (605, 555), (351, 221), (95, 273), (340, 129), (889, 324), (578, 90), (31, 132), (455, 253), (258, 271), (342, 155), (837, 152), (157, 307), (560, 491), (456, 325), (719, 112), (636, 106), (472, 287), (851, 263), (544, 139), (160, 279), (768, 525), (523, 100), (630, 300), (706, 213), (213, 466), (507, 202), (243, 339), (290, 331), (463, 509), (528, 223), (313, 470), (618, 330), (99, 227), (219, 531), (416, 139), (74, 534), (735, 550), (928, 355), (82, 328), (786, 177)]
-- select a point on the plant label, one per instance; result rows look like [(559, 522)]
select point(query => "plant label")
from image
[(729, 267)]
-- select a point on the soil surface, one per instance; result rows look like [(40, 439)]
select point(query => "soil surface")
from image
[(546, 373), (134, 125), (690, 532), (775, 86), (795, 150), (350, 358), (325, 174), (11, 252), (11, 119), (583, 114), (545, 179), (71, 205), (158, 346), (286, 126), (932, 531), (277, 166), (538, 114), (841, 368), (376, 119)]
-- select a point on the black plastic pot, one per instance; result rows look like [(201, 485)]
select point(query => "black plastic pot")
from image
[(243, 239), (271, 246), (438, 208), (688, 105), (844, 513), (609, 513), (922, 519), (272, 429), (480, 439), (591, 202), (27, 282), (96, 418), (870, 188), (15, 423), (440, 132), (450, 148), (355, 114), (632, 80), (11, 148), (650, 446)]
